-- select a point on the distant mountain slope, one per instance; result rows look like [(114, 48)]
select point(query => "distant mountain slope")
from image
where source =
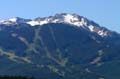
[(64, 46)]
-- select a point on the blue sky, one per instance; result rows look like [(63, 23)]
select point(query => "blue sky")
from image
[(104, 12)]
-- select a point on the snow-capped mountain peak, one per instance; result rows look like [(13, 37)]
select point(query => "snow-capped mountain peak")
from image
[(14, 20), (60, 18), (72, 19)]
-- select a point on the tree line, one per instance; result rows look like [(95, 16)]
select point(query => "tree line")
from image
[(15, 77)]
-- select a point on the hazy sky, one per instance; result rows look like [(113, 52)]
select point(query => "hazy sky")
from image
[(104, 12)]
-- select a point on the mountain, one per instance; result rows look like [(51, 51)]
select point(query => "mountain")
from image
[(63, 46)]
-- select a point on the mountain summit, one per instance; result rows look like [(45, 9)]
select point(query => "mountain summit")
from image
[(72, 19), (63, 46)]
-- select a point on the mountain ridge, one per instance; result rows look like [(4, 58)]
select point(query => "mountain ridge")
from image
[(59, 50), (72, 19)]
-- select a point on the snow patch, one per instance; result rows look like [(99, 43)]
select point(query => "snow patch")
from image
[(91, 27), (72, 19), (33, 23), (13, 19)]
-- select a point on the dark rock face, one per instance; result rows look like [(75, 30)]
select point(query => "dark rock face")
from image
[(58, 51)]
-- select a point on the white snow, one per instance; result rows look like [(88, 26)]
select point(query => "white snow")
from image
[(91, 27), (69, 19), (102, 33), (74, 20), (56, 20), (9, 21), (33, 23), (43, 22), (13, 19), (66, 18)]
